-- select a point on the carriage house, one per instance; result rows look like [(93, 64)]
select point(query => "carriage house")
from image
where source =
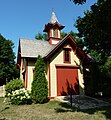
[(64, 60)]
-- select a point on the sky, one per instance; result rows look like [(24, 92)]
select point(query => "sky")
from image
[(25, 18)]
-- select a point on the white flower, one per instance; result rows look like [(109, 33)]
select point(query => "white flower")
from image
[(24, 97), (18, 96), (17, 92), (9, 94), (23, 89), (12, 97), (28, 97), (26, 94)]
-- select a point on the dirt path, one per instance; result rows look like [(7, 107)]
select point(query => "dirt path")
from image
[(83, 102)]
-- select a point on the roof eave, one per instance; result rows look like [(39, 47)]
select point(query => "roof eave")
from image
[(59, 46), (50, 25)]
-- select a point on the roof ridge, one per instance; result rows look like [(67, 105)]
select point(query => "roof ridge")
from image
[(31, 39)]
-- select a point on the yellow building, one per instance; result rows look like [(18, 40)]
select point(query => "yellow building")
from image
[(63, 58)]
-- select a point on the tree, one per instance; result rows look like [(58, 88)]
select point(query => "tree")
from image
[(78, 1), (96, 29), (79, 41), (41, 36), (7, 64), (39, 84), (63, 34)]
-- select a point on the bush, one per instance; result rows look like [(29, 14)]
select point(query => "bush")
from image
[(13, 85), (39, 84), (20, 97)]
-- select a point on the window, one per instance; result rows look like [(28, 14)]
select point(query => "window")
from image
[(67, 55), (55, 34)]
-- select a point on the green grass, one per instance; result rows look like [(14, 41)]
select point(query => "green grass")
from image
[(53, 110)]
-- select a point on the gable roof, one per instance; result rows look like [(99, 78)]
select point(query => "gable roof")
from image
[(32, 48), (58, 45), (68, 39)]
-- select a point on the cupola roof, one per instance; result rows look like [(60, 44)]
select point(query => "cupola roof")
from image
[(53, 23), (53, 18)]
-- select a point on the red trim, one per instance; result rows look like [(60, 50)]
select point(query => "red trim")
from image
[(51, 98), (60, 45), (67, 66), (57, 33), (50, 33), (49, 79), (19, 54), (69, 40), (64, 55), (18, 66), (26, 73), (22, 63), (49, 26)]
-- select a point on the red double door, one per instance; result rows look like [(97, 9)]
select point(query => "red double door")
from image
[(67, 81)]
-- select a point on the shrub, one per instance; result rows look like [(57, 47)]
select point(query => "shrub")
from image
[(20, 97), (39, 84), (13, 85)]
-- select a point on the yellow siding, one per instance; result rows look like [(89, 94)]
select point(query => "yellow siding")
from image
[(76, 61), (30, 74), (81, 82), (31, 66), (58, 59)]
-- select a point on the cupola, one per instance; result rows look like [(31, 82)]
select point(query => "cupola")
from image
[(53, 29)]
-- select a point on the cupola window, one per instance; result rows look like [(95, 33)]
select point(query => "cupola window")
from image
[(55, 32)]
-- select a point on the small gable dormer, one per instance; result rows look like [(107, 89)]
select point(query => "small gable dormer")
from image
[(53, 29)]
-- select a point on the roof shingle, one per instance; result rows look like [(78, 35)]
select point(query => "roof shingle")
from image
[(33, 48)]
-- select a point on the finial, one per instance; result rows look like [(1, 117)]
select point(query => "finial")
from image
[(52, 10)]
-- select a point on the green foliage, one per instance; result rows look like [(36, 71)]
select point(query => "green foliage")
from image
[(78, 1), (79, 41), (13, 85), (94, 84), (96, 29), (107, 67), (7, 64), (39, 84), (41, 36), (20, 97), (106, 77), (63, 34)]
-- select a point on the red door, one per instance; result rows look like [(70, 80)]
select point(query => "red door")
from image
[(67, 81)]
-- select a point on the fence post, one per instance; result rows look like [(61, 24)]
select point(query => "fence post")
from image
[(71, 96)]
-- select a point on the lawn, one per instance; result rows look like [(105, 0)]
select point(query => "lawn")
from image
[(53, 110)]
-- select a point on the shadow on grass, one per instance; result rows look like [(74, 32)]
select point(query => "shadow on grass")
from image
[(65, 108), (105, 110)]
